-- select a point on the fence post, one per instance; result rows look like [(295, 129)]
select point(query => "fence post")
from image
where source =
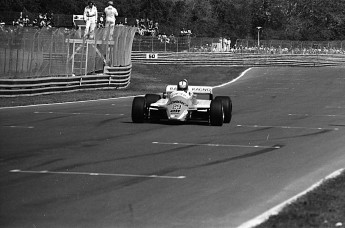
[(17, 58), (189, 40), (152, 43), (68, 46), (23, 58), (50, 53), (177, 44), (73, 46), (86, 58)]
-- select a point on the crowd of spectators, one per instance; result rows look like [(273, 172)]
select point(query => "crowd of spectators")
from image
[(163, 38), (171, 39), (185, 32), (285, 50), (147, 27), (42, 20)]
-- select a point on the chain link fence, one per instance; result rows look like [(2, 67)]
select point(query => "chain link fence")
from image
[(30, 52), (27, 52), (202, 44)]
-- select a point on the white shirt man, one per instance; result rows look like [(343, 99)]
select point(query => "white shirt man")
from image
[(110, 18), (90, 17)]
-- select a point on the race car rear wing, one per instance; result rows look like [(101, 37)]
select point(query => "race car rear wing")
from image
[(194, 89)]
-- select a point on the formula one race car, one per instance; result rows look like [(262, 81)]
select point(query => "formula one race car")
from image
[(180, 103)]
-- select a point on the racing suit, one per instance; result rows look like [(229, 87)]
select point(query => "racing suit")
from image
[(189, 95)]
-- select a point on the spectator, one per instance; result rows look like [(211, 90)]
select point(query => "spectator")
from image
[(156, 28), (2, 25), (101, 22), (26, 21), (172, 38), (110, 18), (150, 24), (41, 20), (50, 20), (90, 17)]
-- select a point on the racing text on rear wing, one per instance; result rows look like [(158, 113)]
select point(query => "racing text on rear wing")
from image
[(194, 89)]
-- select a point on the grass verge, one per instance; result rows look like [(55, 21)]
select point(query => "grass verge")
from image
[(144, 79), (322, 207)]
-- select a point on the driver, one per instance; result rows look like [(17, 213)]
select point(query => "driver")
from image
[(183, 86)]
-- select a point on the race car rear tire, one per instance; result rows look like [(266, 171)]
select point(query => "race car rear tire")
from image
[(139, 109), (227, 106), (216, 113)]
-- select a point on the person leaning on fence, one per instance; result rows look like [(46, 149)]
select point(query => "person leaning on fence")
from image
[(90, 18), (110, 18)]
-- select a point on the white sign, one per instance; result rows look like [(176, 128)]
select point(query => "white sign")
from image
[(151, 56)]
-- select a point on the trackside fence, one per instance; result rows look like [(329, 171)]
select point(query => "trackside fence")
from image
[(244, 46), (27, 52)]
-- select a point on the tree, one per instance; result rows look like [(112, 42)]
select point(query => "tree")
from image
[(280, 19)]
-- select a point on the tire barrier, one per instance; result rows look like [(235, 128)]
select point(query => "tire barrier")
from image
[(115, 78)]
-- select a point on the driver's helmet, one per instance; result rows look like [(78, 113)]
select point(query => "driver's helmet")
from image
[(182, 85)]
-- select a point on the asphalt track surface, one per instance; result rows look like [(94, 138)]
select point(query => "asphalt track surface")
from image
[(87, 165)]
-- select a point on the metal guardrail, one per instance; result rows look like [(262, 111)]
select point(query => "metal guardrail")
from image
[(117, 77), (229, 59)]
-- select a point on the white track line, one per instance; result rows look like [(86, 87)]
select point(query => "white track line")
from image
[(275, 210), (336, 107), (215, 145), (330, 115), (234, 80), (22, 127), (70, 102), (287, 127), (96, 174), (78, 113)]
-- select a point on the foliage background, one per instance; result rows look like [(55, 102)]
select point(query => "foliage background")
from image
[(280, 19)]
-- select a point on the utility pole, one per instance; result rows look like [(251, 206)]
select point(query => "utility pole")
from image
[(259, 35)]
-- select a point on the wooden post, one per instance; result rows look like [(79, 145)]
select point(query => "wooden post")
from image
[(73, 46), (86, 58)]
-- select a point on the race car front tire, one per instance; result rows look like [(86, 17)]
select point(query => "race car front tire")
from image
[(216, 113), (150, 99), (227, 106), (139, 109)]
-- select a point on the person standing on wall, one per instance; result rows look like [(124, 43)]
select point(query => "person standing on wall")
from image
[(110, 18), (90, 17)]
